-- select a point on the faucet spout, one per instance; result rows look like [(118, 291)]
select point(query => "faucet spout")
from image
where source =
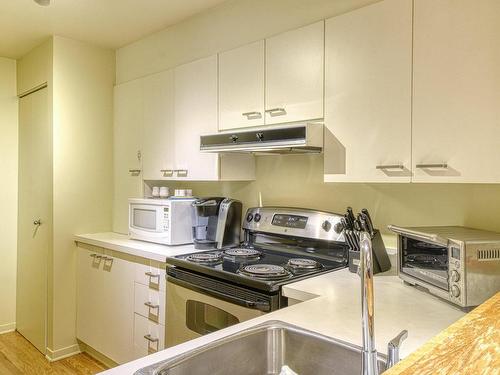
[(365, 269)]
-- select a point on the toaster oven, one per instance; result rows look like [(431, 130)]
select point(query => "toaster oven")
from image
[(458, 264)]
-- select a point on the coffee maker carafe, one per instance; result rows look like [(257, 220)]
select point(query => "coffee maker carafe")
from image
[(216, 223)]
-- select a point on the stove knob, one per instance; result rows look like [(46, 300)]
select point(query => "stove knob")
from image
[(455, 276), (338, 228), (326, 226), (455, 291), (249, 217), (256, 218)]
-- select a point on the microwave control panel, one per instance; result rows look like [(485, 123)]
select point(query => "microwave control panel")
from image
[(166, 218)]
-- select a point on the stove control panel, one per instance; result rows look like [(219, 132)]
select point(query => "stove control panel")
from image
[(295, 222)]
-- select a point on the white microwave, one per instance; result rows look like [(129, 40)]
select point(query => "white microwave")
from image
[(163, 221)]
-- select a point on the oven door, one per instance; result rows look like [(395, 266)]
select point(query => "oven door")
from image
[(424, 260), (191, 312)]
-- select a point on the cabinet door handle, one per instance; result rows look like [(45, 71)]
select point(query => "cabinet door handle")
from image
[(432, 166), (276, 111), (96, 256), (134, 171), (181, 171), (151, 305), (106, 258), (151, 339), (151, 274), (390, 166), (167, 171), (252, 115)]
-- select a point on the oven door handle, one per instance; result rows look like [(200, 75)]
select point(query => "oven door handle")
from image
[(259, 305), (423, 236)]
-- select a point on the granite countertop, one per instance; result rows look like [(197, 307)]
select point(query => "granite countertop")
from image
[(469, 346)]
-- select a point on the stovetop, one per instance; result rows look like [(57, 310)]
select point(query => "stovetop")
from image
[(264, 268)]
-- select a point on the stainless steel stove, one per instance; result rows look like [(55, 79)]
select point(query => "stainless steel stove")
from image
[(217, 288)]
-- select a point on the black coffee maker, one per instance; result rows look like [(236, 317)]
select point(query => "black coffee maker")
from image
[(216, 223)]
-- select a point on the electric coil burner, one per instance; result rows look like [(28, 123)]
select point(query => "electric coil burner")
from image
[(280, 246), (243, 253), (205, 258), (303, 264), (265, 271)]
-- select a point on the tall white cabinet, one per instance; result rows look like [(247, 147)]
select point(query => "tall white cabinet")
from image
[(456, 95), (128, 126), (368, 66)]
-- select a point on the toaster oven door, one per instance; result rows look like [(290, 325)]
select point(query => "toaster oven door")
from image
[(425, 261)]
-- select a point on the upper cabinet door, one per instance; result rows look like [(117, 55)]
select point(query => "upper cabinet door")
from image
[(294, 75), (456, 111), (195, 114), (368, 94), (241, 86), (128, 122), (158, 133)]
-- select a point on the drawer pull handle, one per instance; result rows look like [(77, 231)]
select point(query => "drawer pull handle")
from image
[(151, 339), (152, 275), (181, 172), (252, 115), (390, 166), (429, 166), (134, 171), (96, 256), (151, 305), (276, 112), (167, 171)]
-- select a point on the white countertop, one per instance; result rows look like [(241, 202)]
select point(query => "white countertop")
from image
[(332, 307), (122, 243)]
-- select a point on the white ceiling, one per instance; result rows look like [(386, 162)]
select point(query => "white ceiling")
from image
[(108, 23)]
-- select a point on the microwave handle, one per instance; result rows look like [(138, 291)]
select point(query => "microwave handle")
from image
[(424, 236)]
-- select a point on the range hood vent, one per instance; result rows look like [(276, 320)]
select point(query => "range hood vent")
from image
[(296, 138)]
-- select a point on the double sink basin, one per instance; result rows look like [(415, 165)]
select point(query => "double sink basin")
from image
[(265, 350)]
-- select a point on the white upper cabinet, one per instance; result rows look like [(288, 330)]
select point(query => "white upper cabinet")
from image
[(195, 114), (368, 94), (294, 75), (456, 103), (128, 122), (241, 87), (158, 133)]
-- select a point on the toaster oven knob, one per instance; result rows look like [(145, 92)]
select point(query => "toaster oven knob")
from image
[(256, 218), (455, 276), (326, 226), (455, 291), (249, 217)]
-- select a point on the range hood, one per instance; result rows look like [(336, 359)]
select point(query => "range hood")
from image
[(294, 138)]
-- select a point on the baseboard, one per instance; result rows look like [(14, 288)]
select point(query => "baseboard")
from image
[(108, 362), (55, 355), (6, 328)]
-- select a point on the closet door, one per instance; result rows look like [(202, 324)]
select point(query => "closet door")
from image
[(34, 217), (456, 111)]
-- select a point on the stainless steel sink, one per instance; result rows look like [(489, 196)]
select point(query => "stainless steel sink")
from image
[(264, 350)]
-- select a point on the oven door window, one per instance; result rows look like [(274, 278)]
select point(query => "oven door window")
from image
[(203, 318), (425, 261), (143, 218)]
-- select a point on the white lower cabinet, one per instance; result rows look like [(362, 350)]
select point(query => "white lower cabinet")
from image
[(149, 337), (120, 300)]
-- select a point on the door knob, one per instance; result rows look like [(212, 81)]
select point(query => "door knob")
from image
[(37, 222)]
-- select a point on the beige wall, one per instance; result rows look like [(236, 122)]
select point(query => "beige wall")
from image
[(298, 180), (232, 24), (290, 180), (83, 118), (8, 193)]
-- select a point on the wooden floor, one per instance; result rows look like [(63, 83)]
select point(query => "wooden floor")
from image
[(18, 356)]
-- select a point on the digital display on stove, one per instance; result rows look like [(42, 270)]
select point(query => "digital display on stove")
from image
[(289, 221)]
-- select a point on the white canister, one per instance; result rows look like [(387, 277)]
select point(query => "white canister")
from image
[(155, 192), (164, 192)]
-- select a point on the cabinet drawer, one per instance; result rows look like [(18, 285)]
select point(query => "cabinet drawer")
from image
[(149, 337), (151, 274), (156, 300)]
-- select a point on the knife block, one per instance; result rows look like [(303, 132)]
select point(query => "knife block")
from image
[(381, 261)]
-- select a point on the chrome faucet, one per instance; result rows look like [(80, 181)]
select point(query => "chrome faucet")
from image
[(369, 363)]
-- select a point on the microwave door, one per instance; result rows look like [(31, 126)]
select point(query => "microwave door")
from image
[(425, 261), (144, 218)]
